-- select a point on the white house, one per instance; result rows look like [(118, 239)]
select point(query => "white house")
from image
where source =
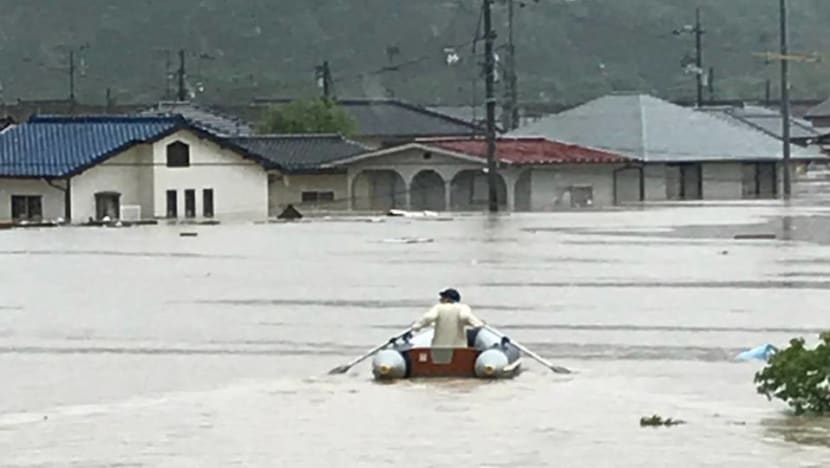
[(126, 167), (448, 174), (685, 154)]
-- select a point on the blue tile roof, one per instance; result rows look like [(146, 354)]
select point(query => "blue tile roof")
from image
[(47, 146)]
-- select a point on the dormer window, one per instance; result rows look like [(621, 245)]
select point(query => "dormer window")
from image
[(178, 155)]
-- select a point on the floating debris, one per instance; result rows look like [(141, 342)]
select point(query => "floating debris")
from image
[(409, 240), (290, 213), (412, 214), (655, 421), (755, 236)]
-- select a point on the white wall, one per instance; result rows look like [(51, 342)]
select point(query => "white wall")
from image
[(52, 202), (722, 181), (288, 188), (628, 186), (655, 182), (127, 174), (240, 185), (550, 187)]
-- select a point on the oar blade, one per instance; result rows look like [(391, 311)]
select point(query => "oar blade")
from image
[(560, 370), (340, 370)]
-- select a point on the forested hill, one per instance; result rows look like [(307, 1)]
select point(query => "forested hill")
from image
[(567, 51)]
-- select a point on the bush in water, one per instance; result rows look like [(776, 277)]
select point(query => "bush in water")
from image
[(799, 376)]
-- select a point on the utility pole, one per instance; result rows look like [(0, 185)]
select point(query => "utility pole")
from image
[(324, 81), (182, 88), (697, 30), (699, 57), (490, 100), (109, 100), (711, 84), (785, 98), (168, 66), (510, 117), (72, 81), (327, 84)]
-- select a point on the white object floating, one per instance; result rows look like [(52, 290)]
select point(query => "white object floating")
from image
[(412, 214)]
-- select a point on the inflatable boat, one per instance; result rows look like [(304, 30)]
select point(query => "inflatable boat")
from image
[(488, 355)]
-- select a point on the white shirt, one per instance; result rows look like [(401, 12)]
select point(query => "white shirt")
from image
[(450, 320)]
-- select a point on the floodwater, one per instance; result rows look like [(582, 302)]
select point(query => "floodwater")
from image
[(140, 348)]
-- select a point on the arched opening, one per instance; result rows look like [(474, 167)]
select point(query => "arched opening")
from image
[(470, 191), (427, 192), (107, 204), (378, 190), (523, 190)]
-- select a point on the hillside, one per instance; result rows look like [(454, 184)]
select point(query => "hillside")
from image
[(238, 49)]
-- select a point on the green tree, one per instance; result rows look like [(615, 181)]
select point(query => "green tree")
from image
[(307, 116), (799, 376)]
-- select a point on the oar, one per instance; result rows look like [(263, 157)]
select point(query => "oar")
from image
[(540, 359), (345, 367)]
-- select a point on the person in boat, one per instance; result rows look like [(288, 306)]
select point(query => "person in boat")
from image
[(450, 318)]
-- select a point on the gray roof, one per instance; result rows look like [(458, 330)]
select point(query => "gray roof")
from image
[(299, 153), (820, 110), (6, 122), (395, 118), (208, 119), (472, 114), (654, 130), (767, 121)]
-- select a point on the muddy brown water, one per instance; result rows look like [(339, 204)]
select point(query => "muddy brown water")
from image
[(139, 348)]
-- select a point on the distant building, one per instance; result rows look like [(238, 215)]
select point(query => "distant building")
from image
[(126, 167), (685, 154), (448, 174), (819, 115), (204, 117), (298, 175), (389, 122), (769, 122)]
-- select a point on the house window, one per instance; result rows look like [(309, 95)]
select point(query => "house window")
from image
[(172, 205), (581, 196), (207, 203), (317, 197), (27, 207), (190, 203), (178, 155)]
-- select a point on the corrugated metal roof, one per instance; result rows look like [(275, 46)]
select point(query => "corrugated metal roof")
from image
[(395, 118), (653, 130), (300, 152), (61, 146), (528, 150)]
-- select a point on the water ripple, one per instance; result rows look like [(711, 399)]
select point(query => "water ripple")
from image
[(764, 284)]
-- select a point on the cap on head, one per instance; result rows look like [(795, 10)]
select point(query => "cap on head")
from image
[(450, 294)]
